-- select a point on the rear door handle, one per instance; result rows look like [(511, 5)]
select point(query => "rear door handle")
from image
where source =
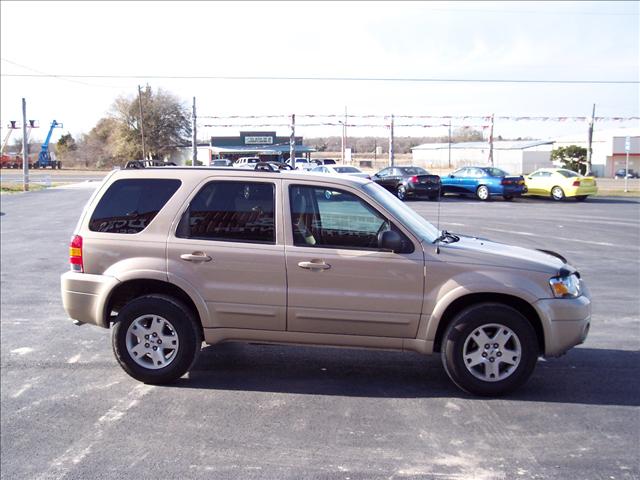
[(196, 257), (314, 265)]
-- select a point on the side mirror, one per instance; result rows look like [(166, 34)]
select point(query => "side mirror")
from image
[(390, 240), (452, 176)]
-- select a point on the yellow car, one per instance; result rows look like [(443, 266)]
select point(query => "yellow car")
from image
[(560, 183)]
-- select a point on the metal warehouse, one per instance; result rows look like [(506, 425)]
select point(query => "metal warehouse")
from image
[(516, 157)]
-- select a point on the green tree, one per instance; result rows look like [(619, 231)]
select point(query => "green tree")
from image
[(572, 157), (66, 146), (166, 124)]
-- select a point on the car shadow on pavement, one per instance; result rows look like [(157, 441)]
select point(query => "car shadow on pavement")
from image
[(583, 376)]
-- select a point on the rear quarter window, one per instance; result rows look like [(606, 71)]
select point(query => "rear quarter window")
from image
[(128, 206)]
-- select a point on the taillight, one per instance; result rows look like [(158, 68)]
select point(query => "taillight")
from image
[(414, 179), (576, 183), (506, 182), (75, 254)]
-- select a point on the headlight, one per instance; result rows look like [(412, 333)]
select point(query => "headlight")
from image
[(565, 287)]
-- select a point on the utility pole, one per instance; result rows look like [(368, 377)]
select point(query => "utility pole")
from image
[(590, 140), (344, 134), (194, 141), (491, 141), (292, 142), (627, 149), (449, 143), (25, 148), (391, 153), (342, 141), (144, 153)]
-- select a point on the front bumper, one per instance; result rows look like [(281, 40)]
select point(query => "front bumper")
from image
[(84, 296), (565, 321)]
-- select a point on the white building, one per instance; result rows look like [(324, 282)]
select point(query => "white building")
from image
[(516, 157), (608, 149)]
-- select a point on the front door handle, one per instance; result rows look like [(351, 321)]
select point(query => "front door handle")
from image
[(314, 265), (196, 257)]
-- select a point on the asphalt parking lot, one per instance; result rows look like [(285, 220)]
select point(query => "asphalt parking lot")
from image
[(257, 411)]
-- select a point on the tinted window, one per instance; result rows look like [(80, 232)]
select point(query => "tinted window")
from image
[(346, 170), (568, 173), (414, 171), (496, 172), (541, 174), (128, 206), (332, 218), (231, 211), (384, 173)]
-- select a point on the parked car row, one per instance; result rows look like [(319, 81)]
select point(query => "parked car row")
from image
[(483, 183), (486, 183)]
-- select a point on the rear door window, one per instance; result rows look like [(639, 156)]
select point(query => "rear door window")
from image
[(231, 211), (128, 206)]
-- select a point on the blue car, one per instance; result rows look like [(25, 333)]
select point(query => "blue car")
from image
[(484, 183)]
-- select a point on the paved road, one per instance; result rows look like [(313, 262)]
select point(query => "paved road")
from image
[(256, 411), (48, 176)]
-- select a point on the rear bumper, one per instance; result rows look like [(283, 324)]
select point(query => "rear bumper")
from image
[(513, 191), (422, 189), (579, 191), (566, 322), (84, 296)]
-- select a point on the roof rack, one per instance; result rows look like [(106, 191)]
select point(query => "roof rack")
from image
[(147, 163)]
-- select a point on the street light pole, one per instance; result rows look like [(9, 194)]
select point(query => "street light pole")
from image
[(25, 148), (449, 143), (144, 153)]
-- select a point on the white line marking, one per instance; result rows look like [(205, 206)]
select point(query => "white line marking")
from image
[(78, 451), (22, 350), (74, 359), (21, 391)]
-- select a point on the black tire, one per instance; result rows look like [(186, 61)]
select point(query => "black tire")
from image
[(482, 193), (468, 323), (581, 198), (508, 198), (557, 193), (401, 192), (185, 327)]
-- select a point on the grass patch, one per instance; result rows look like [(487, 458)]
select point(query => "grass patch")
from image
[(618, 193), (12, 187)]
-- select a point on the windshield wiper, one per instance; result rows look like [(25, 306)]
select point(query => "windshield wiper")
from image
[(446, 237)]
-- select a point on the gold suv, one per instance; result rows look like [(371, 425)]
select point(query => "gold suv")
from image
[(172, 257)]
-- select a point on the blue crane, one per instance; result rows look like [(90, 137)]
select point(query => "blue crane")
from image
[(44, 158)]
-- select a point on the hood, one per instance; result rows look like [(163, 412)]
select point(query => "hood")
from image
[(480, 251)]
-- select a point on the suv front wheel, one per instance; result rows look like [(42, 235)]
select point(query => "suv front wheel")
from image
[(156, 339), (489, 349)]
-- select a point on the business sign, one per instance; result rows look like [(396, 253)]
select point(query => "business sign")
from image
[(256, 140), (627, 144)]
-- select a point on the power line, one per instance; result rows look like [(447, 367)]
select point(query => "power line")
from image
[(326, 79)]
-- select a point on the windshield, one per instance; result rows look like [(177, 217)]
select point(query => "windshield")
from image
[(495, 172), (409, 217), (346, 170)]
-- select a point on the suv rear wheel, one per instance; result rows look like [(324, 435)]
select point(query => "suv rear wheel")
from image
[(489, 349), (156, 339)]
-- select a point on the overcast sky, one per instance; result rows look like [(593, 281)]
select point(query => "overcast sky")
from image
[(496, 40)]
